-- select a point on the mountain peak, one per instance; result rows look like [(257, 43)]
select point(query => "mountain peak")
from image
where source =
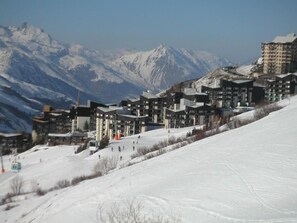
[(27, 28), (163, 49)]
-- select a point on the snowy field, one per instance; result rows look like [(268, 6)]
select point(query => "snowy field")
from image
[(248, 174)]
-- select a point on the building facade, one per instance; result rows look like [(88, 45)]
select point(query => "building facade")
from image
[(280, 55), (52, 121), (117, 121), (231, 94), (281, 87), (14, 142), (189, 113)]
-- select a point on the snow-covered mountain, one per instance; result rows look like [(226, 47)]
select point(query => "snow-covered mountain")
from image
[(165, 66), (37, 69)]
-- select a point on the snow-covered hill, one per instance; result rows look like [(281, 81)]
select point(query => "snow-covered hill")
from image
[(244, 175), (31, 57)]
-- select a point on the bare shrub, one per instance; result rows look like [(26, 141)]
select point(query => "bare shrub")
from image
[(106, 164), (199, 134), (134, 155), (190, 140), (155, 147), (40, 192), (163, 144), (9, 206), (7, 198), (180, 139), (171, 140), (161, 151), (142, 151), (176, 146), (149, 156), (94, 175), (16, 185), (131, 212), (259, 113), (265, 110), (184, 143), (77, 180), (62, 184)]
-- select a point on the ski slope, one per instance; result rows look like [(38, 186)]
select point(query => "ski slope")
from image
[(242, 175)]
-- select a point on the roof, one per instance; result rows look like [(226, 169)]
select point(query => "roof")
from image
[(67, 135), (148, 95), (133, 116), (192, 91), (134, 99), (109, 109), (285, 39), (8, 135), (241, 81)]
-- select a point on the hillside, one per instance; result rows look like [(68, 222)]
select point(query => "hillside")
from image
[(36, 69), (243, 175)]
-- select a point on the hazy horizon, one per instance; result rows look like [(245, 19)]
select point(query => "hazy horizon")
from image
[(230, 29)]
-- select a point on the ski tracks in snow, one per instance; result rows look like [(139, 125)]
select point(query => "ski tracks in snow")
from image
[(254, 193)]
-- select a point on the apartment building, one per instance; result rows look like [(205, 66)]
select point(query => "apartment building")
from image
[(84, 116), (52, 121), (115, 121), (281, 87), (280, 55), (230, 94), (188, 113)]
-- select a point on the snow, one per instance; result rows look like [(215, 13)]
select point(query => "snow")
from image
[(243, 175), (291, 37), (245, 70)]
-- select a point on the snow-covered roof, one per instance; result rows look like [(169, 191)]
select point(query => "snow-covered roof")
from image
[(134, 99), (285, 75), (55, 114), (285, 39), (62, 135), (192, 91), (67, 135), (148, 95), (197, 105), (132, 116), (109, 109), (7, 135), (241, 81)]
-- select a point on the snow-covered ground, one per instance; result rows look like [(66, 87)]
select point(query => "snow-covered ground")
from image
[(245, 69), (242, 175)]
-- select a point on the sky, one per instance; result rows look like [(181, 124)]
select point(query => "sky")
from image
[(233, 29)]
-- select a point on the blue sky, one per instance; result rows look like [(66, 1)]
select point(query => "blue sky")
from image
[(233, 29)]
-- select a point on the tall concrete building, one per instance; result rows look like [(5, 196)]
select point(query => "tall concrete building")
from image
[(280, 55)]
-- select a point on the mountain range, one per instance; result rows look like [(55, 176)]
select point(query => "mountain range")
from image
[(36, 69)]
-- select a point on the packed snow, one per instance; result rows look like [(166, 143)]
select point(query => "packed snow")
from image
[(243, 175)]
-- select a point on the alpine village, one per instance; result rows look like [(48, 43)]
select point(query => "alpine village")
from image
[(209, 101)]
